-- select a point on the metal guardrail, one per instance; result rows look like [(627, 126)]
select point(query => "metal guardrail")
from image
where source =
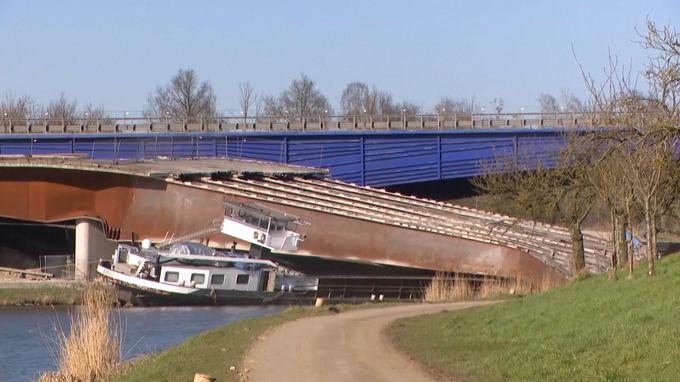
[(463, 121)]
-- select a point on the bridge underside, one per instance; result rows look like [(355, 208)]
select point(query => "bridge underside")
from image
[(160, 199)]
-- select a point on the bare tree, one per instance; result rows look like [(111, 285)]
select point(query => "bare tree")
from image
[(548, 103), (184, 97), (647, 145), (382, 103), (92, 115), (360, 100), (559, 194), (300, 100), (448, 105), (572, 104), (355, 98), (654, 179), (61, 111), (663, 69), (248, 101), (408, 108), (15, 108)]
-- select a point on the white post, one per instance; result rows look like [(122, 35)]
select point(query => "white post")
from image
[(82, 249), (91, 245)]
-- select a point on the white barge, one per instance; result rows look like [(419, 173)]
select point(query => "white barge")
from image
[(193, 274)]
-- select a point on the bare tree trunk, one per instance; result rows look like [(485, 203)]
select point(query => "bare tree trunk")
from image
[(578, 259), (651, 271)]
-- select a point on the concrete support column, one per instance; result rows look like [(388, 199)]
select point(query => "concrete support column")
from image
[(91, 245)]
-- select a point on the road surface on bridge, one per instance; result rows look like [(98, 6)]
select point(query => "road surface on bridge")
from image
[(344, 347)]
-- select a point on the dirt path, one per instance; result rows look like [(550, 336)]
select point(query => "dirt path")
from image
[(344, 347)]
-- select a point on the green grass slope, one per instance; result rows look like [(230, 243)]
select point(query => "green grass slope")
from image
[(46, 295), (590, 330)]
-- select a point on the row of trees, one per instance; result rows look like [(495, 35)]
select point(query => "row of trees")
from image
[(61, 109), (185, 96), (631, 172)]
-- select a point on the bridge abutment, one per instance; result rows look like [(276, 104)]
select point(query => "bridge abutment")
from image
[(91, 245)]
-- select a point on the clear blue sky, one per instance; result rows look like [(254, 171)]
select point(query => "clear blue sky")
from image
[(115, 53)]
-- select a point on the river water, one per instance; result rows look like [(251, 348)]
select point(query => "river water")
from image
[(27, 335)]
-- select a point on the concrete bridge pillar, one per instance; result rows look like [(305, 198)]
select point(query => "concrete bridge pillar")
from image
[(91, 245)]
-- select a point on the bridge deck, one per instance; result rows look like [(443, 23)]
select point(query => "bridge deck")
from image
[(348, 220), (550, 244)]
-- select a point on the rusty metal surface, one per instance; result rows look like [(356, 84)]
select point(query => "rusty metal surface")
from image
[(347, 222)]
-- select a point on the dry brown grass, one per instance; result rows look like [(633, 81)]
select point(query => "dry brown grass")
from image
[(92, 349), (453, 288)]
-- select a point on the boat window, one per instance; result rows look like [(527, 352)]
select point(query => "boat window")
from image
[(217, 279), (264, 223), (242, 279), (122, 255), (171, 277), (252, 220), (197, 278)]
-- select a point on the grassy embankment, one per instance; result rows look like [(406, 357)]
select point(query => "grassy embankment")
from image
[(42, 295), (592, 329), (215, 351)]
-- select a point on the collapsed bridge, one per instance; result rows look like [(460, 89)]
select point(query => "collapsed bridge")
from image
[(158, 199)]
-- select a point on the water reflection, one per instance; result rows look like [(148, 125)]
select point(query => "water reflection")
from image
[(28, 335)]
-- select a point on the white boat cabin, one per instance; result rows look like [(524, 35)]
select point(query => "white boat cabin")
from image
[(211, 278), (264, 227), (196, 266)]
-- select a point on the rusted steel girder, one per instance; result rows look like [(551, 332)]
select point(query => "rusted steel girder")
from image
[(137, 207)]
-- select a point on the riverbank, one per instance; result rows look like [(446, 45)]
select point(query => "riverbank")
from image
[(593, 329), (41, 293)]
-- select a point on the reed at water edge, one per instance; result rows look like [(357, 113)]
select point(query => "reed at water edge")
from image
[(453, 288), (92, 349)]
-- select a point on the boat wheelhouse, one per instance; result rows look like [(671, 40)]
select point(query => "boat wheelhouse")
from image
[(264, 227)]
